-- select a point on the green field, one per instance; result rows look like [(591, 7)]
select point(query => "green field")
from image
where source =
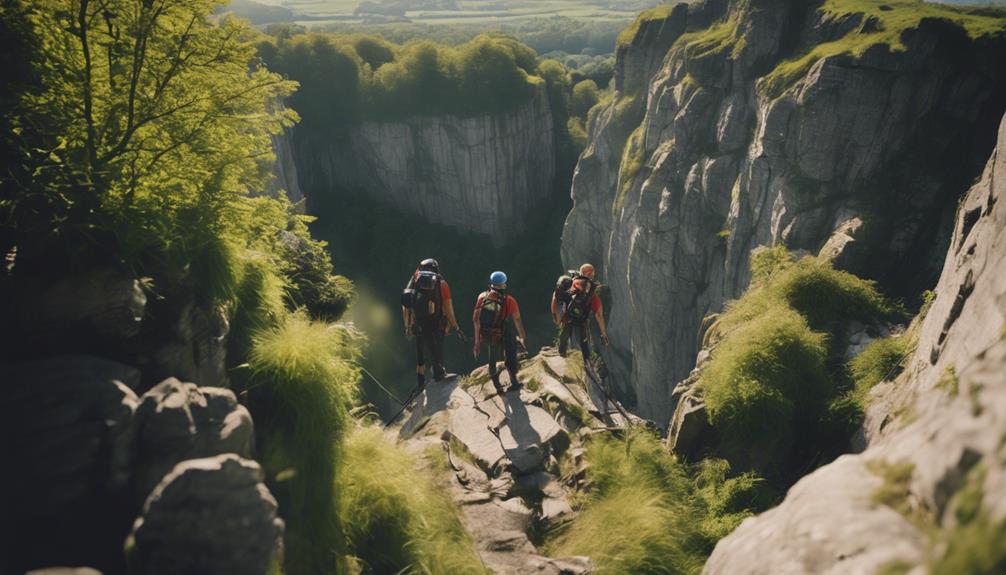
[(477, 12)]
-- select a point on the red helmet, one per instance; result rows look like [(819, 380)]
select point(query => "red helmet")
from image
[(587, 270)]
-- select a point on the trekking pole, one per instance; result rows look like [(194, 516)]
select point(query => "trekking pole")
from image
[(412, 396), (384, 389), (592, 377)]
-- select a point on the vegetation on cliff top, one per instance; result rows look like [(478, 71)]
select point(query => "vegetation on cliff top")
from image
[(880, 22), (348, 78)]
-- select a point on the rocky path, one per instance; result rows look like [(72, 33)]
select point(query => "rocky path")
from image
[(515, 457)]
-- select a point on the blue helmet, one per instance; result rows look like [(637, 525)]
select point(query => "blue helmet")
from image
[(497, 278)]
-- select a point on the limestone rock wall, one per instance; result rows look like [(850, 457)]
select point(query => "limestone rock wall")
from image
[(696, 161), (482, 174), (942, 420)]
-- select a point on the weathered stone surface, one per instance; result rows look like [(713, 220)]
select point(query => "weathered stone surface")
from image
[(68, 457), (504, 452), (725, 166), (690, 431), (482, 174), (284, 170), (176, 421), (105, 303), (941, 425), (194, 347), (211, 515)]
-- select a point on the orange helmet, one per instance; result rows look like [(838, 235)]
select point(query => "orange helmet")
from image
[(587, 270)]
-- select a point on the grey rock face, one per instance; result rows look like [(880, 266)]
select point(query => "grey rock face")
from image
[(67, 459), (104, 303), (693, 165), (944, 417), (212, 515), (481, 174), (176, 421), (504, 451), (284, 170)]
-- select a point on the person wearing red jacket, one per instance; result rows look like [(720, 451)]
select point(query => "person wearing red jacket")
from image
[(493, 309)]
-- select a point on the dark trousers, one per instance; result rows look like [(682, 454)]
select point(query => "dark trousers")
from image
[(507, 348), (578, 330), (430, 337)]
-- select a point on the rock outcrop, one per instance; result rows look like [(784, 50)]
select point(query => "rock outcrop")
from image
[(284, 169), (176, 421), (67, 460), (481, 174), (505, 451), (934, 460), (729, 131), (211, 515)]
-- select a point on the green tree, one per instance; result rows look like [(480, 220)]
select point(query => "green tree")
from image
[(585, 95), (153, 121)]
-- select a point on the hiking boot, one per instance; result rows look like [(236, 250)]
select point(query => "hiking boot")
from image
[(439, 374)]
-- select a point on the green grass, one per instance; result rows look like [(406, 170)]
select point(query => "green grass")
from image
[(768, 386), (716, 38), (895, 491), (876, 362), (895, 16), (633, 158), (765, 376), (301, 383), (398, 518), (644, 512), (659, 13), (949, 382)]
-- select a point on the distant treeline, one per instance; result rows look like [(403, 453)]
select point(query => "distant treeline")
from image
[(345, 79), (556, 33)]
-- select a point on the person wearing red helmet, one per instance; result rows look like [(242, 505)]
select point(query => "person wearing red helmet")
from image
[(574, 301)]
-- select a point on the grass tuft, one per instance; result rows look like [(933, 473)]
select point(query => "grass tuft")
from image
[(876, 362), (397, 518), (645, 512), (301, 384), (768, 386)]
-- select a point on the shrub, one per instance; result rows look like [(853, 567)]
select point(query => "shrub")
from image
[(585, 96), (765, 379), (645, 512), (397, 518), (768, 387), (876, 362), (301, 382)]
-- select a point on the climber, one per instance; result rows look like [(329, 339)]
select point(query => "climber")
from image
[(492, 310), (428, 314), (574, 301)]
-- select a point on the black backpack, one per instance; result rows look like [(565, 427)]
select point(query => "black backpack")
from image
[(426, 300), (577, 300), (491, 313), (563, 285)]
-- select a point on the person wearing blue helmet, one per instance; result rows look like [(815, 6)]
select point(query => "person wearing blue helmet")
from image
[(493, 309)]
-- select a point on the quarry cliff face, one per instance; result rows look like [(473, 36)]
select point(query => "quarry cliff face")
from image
[(929, 490), (741, 123), (480, 174)]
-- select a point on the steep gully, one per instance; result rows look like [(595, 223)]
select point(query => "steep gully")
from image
[(694, 163)]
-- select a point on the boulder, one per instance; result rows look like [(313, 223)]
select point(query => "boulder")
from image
[(68, 458), (176, 421), (211, 515)]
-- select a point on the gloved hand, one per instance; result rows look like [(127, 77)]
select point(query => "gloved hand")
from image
[(408, 332), (604, 338)]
